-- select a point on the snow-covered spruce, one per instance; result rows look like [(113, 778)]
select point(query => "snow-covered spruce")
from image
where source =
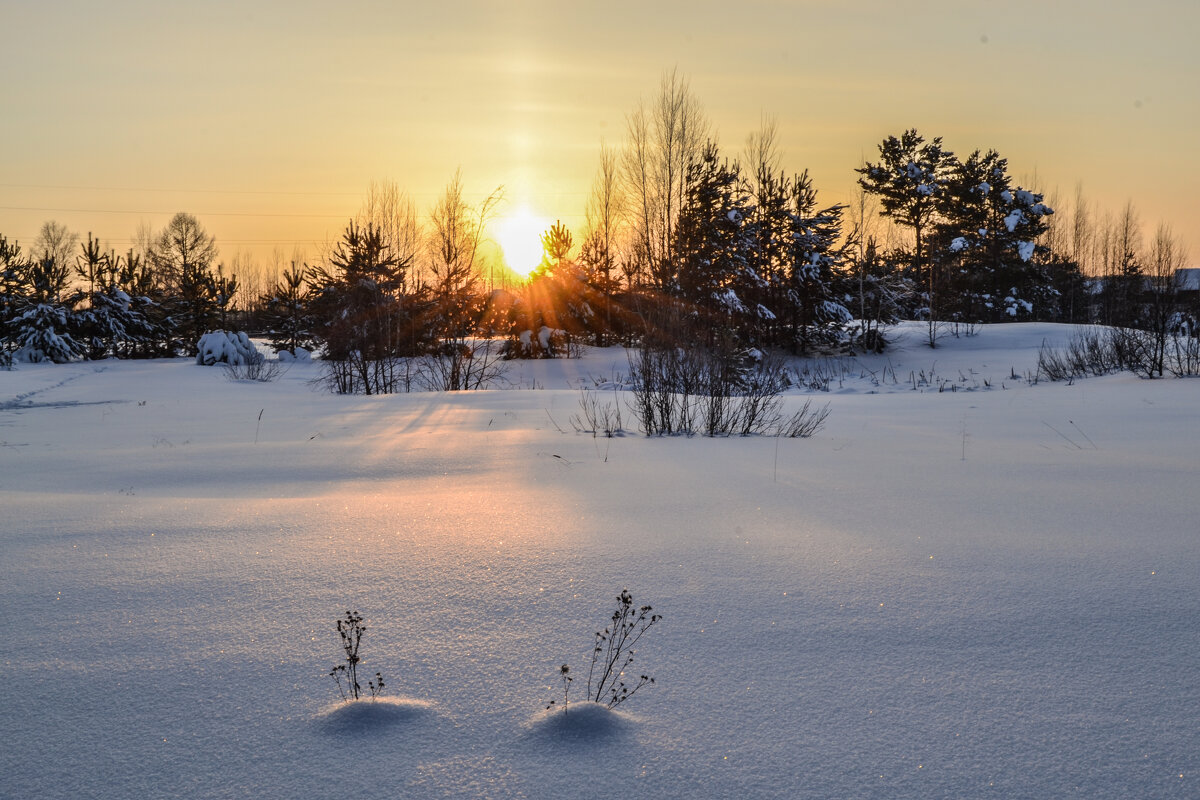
[(221, 347)]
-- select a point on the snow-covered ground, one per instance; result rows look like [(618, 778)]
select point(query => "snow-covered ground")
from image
[(990, 590)]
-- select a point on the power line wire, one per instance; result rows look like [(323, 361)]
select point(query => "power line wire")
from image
[(174, 191), (196, 213)]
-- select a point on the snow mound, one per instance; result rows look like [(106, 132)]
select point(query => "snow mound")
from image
[(354, 716), (583, 720), (301, 355)]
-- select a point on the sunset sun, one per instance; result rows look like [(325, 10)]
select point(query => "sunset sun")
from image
[(520, 237)]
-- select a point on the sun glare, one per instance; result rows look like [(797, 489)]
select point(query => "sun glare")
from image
[(520, 237)]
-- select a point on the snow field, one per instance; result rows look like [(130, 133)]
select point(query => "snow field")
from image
[(955, 594)]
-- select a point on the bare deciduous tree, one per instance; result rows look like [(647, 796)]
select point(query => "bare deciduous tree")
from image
[(183, 246), (662, 141), (389, 210), (456, 231), (602, 240), (55, 242)]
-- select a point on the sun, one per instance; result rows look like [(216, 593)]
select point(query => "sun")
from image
[(520, 237)]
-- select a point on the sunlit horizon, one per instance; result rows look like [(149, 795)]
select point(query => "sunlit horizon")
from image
[(269, 127)]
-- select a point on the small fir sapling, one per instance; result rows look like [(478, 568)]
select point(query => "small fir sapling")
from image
[(612, 655), (350, 630)]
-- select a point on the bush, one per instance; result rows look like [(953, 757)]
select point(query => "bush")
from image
[(261, 370), (462, 365), (356, 374), (1089, 351), (299, 354), (597, 417), (547, 343), (1183, 352), (805, 422), (689, 391)]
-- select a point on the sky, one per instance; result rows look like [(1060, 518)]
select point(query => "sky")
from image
[(269, 120)]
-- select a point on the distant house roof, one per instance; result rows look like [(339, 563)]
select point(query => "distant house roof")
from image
[(1188, 280)]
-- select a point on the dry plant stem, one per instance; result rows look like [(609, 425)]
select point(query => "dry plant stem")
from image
[(614, 651), (350, 630)]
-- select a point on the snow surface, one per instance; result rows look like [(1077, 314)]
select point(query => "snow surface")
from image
[(963, 586)]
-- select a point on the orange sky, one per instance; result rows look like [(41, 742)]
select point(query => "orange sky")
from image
[(269, 120)]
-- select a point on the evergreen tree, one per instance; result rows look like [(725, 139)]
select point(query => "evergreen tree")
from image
[(816, 313), (987, 240), (771, 228), (42, 332), (359, 303), (12, 272), (286, 312), (195, 307), (908, 179), (149, 302), (880, 293), (191, 295), (713, 243), (557, 306)]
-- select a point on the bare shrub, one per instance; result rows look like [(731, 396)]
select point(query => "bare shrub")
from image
[(597, 417), (1089, 351), (759, 402), (1183, 350), (262, 370), (688, 391), (470, 365), (805, 422), (356, 374)]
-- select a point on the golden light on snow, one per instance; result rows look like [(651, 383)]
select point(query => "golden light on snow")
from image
[(520, 237)]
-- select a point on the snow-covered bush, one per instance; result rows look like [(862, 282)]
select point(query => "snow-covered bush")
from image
[(219, 347)]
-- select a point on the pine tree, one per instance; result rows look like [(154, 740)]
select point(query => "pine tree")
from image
[(286, 313), (816, 314), (771, 228), (359, 303), (713, 243), (987, 241), (908, 179)]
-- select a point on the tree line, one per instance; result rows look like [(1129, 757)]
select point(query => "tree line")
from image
[(682, 243)]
